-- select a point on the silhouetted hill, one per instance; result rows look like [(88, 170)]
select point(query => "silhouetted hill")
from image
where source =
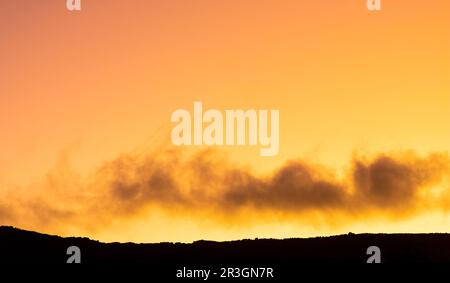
[(24, 246)]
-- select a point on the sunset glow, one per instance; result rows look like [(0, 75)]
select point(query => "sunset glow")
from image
[(86, 99)]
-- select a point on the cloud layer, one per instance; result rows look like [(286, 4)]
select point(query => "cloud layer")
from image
[(207, 184)]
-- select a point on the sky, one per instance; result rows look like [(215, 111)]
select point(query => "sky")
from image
[(86, 99)]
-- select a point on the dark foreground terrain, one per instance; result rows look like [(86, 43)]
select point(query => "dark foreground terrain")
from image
[(18, 246)]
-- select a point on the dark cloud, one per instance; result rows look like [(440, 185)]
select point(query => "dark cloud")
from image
[(207, 183), (389, 183), (201, 182), (294, 187)]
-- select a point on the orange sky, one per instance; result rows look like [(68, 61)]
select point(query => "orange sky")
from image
[(95, 84)]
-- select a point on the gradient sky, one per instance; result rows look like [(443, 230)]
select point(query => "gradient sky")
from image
[(92, 85)]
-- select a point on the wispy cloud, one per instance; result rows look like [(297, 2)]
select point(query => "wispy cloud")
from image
[(206, 183)]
